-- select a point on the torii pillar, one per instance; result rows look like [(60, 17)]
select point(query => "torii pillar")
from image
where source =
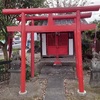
[(32, 52), (23, 56), (79, 55)]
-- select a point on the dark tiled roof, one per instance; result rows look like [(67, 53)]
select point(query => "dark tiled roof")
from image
[(63, 22)]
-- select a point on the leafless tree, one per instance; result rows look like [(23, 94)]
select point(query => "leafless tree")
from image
[(65, 3)]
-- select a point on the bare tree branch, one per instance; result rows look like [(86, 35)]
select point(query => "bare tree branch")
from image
[(65, 3)]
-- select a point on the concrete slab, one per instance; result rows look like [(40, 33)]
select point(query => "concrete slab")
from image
[(55, 94), (55, 89), (56, 75)]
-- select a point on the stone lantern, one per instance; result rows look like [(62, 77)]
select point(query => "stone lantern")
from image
[(15, 70), (95, 70)]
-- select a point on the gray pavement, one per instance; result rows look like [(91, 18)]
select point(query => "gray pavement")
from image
[(56, 75)]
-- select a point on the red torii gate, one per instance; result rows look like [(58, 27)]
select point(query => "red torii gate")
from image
[(77, 27), (68, 16), (85, 15)]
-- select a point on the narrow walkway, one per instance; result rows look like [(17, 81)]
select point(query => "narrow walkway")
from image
[(56, 75)]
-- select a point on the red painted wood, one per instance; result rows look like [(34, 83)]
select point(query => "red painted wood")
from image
[(50, 43), (51, 39), (50, 10), (70, 16), (79, 53), (76, 51), (50, 20), (52, 28), (13, 28), (85, 27), (32, 53), (23, 58), (51, 50), (57, 44), (57, 61), (62, 37)]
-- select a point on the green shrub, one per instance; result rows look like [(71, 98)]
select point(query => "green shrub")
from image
[(28, 72), (37, 43)]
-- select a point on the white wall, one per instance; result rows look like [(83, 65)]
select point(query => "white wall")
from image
[(44, 44), (71, 47)]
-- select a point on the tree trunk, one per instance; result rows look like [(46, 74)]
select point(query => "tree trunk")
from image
[(4, 49)]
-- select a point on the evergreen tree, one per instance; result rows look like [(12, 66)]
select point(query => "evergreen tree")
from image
[(8, 20)]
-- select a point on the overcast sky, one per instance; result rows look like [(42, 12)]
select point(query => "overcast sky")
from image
[(95, 15)]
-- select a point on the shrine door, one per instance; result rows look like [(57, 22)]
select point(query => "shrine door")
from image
[(57, 44)]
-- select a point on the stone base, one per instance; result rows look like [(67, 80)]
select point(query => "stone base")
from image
[(14, 79), (81, 93), (22, 93)]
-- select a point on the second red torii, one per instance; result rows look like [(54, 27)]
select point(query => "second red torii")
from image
[(56, 28), (41, 29), (57, 17)]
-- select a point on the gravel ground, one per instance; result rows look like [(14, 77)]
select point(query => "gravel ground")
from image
[(36, 90), (71, 87), (37, 87)]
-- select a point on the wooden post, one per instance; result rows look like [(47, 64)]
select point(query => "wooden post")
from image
[(79, 55), (75, 38), (32, 52), (23, 59)]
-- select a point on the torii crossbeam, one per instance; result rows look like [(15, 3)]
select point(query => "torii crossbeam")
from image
[(77, 27)]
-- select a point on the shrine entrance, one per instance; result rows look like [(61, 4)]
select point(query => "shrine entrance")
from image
[(76, 27), (57, 43)]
